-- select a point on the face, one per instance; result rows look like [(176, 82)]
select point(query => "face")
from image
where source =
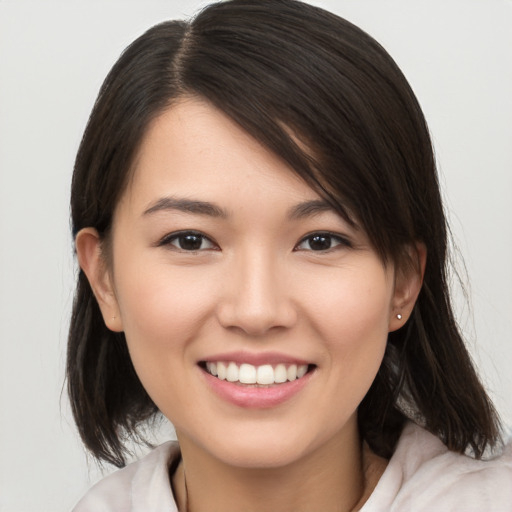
[(225, 262)]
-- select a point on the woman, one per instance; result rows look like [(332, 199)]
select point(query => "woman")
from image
[(262, 248)]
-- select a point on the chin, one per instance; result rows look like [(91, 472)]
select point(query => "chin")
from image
[(268, 456), (268, 445)]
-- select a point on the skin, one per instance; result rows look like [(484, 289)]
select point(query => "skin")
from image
[(255, 284)]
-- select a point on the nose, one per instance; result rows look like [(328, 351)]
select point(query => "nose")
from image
[(256, 298)]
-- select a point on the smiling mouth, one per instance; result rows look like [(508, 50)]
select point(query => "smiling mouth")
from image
[(258, 376)]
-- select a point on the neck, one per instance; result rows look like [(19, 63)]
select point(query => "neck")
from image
[(330, 478)]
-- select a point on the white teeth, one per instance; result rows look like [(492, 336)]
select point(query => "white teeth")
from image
[(291, 373), (248, 374), (232, 373), (265, 374), (280, 374), (301, 370), (221, 370), (212, 368)]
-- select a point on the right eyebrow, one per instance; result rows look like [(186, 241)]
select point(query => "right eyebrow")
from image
[(187, 206)]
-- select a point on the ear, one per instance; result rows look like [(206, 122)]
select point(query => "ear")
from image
[(92, 262), (408, 282)]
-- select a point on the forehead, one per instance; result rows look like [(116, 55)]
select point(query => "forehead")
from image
[(194, 149)]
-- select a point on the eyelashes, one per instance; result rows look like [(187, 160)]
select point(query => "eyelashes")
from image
[(322, 241), (195, 241), (188, 241)]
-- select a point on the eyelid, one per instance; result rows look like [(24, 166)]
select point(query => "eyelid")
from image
[(343, 240)]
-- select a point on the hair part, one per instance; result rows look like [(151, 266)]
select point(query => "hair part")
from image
[(328, 99)]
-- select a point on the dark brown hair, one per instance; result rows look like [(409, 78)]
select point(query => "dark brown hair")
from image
[(330, 101)]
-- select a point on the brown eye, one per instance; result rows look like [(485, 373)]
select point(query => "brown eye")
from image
[(188, 241), (321, 242)]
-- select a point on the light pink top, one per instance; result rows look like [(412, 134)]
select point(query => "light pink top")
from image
[(422, 476)]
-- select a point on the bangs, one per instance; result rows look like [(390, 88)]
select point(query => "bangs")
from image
[(330, 105)]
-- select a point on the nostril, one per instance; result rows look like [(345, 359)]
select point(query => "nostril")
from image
[(256, 321)]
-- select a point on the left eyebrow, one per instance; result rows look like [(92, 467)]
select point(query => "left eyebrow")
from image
[(309, 209), (186, 206), (316, 207)]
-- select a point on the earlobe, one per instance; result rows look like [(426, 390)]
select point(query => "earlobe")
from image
[(408, 282), (92, 262)]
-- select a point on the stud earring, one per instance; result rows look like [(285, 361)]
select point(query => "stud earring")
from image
[(399, 316)]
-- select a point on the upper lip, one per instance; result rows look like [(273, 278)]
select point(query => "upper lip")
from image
[(256, 359)]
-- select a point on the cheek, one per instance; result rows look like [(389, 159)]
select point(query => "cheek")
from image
[(158, 302), (352, 316), (351, 303), (162, 311)]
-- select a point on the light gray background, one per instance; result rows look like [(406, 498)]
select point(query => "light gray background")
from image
[(457, 55)]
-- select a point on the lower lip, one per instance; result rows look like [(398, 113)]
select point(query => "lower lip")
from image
[(255, 397)]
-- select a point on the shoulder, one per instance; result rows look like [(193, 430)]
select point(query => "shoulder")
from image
[(423, 475), (142, 486)]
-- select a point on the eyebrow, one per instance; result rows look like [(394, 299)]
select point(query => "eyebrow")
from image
[(309, 209), (187, 206), (297, 212)]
